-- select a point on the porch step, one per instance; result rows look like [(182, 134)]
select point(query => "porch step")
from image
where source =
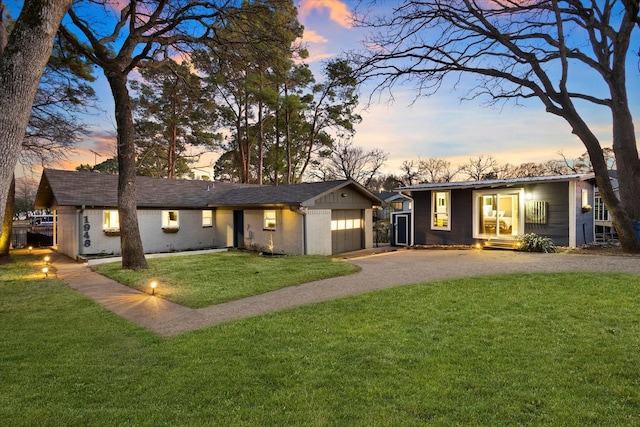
[(501, 244)]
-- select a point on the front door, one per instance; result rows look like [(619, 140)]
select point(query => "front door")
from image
[(238, 229), (401, 228)]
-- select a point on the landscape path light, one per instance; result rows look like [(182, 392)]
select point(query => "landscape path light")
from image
[(45, 270), (153, 287)]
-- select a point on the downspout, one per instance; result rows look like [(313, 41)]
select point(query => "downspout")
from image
[(302, 211), (413, 217)]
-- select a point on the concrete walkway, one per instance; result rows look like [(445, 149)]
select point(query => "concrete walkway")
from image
[(379, 271)]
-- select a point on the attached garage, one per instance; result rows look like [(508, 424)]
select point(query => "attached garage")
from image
[(347, 231)]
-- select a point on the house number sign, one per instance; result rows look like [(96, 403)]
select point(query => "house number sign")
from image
[(86, 227)]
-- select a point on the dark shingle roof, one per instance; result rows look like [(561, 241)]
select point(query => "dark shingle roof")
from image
[(70, 188), (293, 194)]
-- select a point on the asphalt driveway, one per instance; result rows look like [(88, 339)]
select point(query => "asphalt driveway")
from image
[(379, 271)]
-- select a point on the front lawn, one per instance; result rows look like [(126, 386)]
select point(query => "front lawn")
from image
[(202, 280), (521, 349)]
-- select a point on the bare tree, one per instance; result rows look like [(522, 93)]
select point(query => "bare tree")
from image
[(411, 173), (522, 50), (481, 167), (27, 51), (351, 162), (526, 170), (437, 170)]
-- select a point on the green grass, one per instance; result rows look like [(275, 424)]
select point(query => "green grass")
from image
[(203, 280), (539, 349)]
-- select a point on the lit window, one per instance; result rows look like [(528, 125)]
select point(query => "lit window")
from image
[(441, 205), (346, 224), (269, 220), (207, 218), (110, 220), (170, 219)]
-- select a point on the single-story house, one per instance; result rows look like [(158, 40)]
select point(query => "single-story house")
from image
[(320, 218), (498, 210)]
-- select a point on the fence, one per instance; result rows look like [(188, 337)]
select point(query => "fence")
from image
[(23, 235)]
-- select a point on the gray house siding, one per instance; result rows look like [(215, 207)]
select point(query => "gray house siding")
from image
[(82, 232), (585, 221), (461, 220), (556, 196)]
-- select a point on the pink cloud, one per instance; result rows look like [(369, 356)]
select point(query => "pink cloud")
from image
[(338, 11), (311, 36)]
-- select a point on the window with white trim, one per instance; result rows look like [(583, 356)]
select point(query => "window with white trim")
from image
[(270, 220), (110, 220), (207, 218), (170, 219), (440, 210), (600, 211)]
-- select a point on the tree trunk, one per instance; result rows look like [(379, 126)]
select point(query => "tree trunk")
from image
[(287, 132), (25, 56), (260, 142), (7, 224), (130, 241), (624, 141), (620, 215), (247, 147), (173, 141)]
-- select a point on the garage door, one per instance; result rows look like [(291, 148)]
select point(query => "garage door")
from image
[(346, 230)]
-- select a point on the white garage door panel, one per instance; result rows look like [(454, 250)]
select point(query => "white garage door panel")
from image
[(346, 230)]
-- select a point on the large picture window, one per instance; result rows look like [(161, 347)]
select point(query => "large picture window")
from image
[(440, 210), (498, 213)]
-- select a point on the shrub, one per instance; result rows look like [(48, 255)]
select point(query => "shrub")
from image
[(531, 242)]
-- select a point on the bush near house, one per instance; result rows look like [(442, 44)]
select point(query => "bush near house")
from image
[(531, 242)]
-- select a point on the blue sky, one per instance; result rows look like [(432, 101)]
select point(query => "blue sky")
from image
[(438, 126)]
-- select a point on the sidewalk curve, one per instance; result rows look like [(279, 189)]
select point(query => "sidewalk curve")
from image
[(379, 271)]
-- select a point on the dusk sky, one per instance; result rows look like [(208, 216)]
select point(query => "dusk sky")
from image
[(439, 126)]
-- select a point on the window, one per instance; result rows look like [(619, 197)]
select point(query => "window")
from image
[(498, 213), (170, 219), (110, 220), (440, 207), (346, 224), (270, 220), (600, 210), (207, 218)]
